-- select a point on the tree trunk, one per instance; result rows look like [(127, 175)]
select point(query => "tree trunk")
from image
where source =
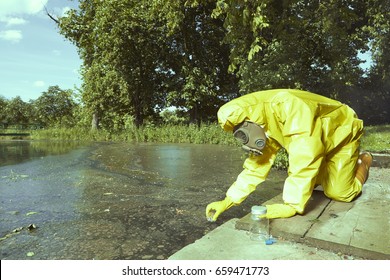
[(194, 115), (95, 121)]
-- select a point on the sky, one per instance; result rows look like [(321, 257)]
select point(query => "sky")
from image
[(33, 55)]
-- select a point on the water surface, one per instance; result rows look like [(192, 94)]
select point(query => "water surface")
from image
[(114, 201)]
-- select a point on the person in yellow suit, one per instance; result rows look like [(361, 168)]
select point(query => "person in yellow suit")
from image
[(320, 135)]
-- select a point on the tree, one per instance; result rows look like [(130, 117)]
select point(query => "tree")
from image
[(306, 44), (196, 58), (55, 107), (376, 83), (142, 56), (118, 42), (3, 113), (17, 112)]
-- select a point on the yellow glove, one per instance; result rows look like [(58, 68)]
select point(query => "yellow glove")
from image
[(275, 211), (214, 209)]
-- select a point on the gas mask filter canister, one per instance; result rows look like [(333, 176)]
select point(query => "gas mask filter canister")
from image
[(252, 137)]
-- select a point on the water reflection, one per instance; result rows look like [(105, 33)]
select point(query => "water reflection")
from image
[(14, 152), (185, 162), (170, 161)]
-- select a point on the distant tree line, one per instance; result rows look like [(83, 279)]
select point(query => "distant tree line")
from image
[(143, 56), (54, 108)]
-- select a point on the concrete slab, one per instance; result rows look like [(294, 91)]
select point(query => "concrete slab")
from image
[(359, 228), (228, 243), (328, 230)]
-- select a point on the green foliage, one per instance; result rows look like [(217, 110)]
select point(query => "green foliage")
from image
[(118, 42), (16, 111), (176, 116), (3, 113), (281, 160), (203, 134), (295, 44), (375, 103), (55, 107), (197, 59), (73, 134), (141, 56)]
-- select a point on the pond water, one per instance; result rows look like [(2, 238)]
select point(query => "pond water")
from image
[(66, 200)]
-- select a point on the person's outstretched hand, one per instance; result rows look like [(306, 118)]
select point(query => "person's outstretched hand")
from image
[(214, 209)]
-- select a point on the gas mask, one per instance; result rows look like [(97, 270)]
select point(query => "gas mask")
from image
[(252, 137)]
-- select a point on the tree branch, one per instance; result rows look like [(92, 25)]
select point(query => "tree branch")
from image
[(50, 16)]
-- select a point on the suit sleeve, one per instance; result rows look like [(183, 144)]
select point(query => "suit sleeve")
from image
[(256, 169)]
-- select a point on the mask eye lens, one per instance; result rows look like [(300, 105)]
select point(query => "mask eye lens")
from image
[(260, 143), (241, 136)]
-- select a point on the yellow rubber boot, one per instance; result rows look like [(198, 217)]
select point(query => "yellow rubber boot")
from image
[(364, 164)]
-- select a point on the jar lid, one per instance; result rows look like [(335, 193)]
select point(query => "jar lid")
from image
[(258, 210)]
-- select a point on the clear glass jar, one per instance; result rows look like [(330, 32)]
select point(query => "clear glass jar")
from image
[(259, 225)]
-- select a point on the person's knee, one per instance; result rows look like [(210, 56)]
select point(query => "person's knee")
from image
[(340, 193), (333, 194)]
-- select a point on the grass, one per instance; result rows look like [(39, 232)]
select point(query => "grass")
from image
[(376, 139), (205, 134)]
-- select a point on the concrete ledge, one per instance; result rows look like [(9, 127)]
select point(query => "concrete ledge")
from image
[(381, 160), (359, 228), (227, 243)]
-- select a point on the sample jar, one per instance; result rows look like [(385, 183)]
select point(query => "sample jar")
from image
[(259, 225)]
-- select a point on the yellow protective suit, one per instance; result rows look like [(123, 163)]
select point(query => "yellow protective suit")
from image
[(321, 136)]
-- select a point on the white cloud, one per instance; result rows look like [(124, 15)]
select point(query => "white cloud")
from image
[(13, 36), (56, 52), (9, 21), (10, 7), (39, 84)]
